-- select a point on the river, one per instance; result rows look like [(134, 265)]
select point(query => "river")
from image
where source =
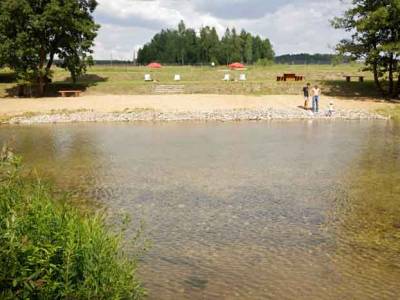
[(246, 210)]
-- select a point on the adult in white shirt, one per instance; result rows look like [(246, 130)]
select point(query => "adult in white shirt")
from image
[(316, 94)]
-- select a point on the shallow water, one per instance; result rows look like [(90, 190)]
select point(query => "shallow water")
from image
[(279, 210)]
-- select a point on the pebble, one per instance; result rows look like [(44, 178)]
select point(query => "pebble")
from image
[(217, 115)]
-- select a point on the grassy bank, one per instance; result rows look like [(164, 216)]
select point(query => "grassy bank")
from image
[(392, 112), (49, 250), (129, 80)]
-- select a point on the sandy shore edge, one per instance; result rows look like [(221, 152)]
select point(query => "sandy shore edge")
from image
[(127, 108)]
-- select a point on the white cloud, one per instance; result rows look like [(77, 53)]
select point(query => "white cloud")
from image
[(293, 26), (119, 42)]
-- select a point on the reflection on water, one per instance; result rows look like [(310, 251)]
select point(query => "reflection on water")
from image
[(291, 210)]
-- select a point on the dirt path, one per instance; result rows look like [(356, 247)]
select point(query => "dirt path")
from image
[(195, 102)]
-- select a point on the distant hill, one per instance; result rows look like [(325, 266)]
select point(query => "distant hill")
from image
[(307, 59)]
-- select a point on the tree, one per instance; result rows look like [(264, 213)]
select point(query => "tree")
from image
[(215, 44), (184, 46), (257, 48), (267, 52), (208, 44), (226, 47), (375, 28), (237, 47), (33, 33), (248, 49), (181, 42)]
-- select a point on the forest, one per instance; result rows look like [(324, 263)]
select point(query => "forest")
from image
[(186, 46)]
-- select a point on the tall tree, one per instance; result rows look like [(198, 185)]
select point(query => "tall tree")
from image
[(33, 33), (208, 45), (215, 48), (184, 46), (248, 49), (226, 48), (237, 46), (181, 41), (375, 28)]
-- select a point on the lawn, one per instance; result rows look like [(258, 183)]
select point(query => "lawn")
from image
[(123, 80)]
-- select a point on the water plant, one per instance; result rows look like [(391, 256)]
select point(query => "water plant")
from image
[(50, 250)]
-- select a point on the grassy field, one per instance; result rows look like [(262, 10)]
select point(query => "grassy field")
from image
[(128, 80)]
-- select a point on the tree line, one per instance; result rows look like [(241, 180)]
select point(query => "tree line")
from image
[(184, 46), (310, 59)]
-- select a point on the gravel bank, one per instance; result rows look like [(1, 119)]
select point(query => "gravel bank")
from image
[(216, 115)]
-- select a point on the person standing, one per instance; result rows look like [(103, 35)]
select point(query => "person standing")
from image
[(306, 92), (316, 94)]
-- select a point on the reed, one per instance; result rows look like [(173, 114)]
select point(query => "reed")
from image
[(49, 250)]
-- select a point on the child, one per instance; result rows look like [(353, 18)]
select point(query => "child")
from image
[(306, 91), (331, 109)]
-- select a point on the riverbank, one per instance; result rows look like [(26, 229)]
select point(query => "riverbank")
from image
[(221, 115), (51, 250), (179, 108)]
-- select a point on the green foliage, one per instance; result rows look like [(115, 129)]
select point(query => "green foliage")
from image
[(248, 49), (184, 46), (310, 59), (33, 33), (208, 44), (50, 251), (375, 28), (264, 62)]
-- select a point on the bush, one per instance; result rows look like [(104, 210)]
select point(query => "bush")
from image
[(50, 251), (264, 62)]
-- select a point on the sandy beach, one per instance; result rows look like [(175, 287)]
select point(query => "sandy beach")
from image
[(172, 103)]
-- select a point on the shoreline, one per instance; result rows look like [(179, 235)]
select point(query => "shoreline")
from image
[(131, 108), (268, 114)]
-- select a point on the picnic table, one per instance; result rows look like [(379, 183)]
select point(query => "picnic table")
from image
[(348, 77), (290, 76), (74, 93)]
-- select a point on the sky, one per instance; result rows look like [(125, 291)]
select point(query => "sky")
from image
[(293, 26)]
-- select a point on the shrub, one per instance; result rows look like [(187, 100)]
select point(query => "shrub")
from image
[(48, 250), (264, 62)]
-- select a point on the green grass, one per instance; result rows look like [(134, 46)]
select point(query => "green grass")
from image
[(121, 80), (392, 112), (49, 250), (30, 114)]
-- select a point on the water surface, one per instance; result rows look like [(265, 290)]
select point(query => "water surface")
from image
[(280, 210)]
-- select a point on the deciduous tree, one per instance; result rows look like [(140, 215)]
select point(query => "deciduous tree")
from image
[(34, 33), (375, 39)]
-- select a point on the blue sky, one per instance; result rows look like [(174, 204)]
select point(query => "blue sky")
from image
[(293, 26)]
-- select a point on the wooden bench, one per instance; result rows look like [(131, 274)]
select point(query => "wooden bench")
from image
[(73, 93), (348, 78), (290, 76)]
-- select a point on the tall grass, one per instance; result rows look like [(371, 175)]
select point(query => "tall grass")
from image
[(50, 250), (393, 112)]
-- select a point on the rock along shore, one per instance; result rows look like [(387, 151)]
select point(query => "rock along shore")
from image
[(217, 115)]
